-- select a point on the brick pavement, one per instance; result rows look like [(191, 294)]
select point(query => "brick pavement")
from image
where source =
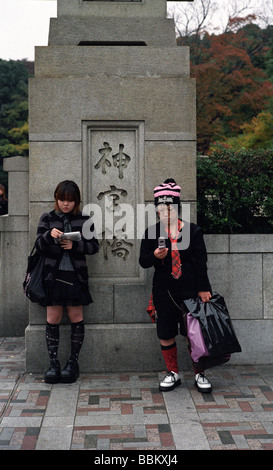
[(125, 411)]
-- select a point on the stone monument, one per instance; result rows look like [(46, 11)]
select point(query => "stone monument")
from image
[(112, 107)]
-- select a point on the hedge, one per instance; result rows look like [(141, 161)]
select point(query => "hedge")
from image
[(235, 191)]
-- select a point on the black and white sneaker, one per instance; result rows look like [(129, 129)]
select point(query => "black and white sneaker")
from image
[(170, 381), (202, 383)]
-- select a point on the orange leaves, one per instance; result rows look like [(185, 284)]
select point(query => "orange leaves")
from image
[(231, 90)]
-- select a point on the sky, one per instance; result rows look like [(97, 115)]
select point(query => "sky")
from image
[(24, 24)]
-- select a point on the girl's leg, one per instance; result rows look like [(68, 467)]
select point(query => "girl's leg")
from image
[(70, 373), (169, 353), (75, 313), (54, 315)]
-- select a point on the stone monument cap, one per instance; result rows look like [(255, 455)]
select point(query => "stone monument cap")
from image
[(113, 8)]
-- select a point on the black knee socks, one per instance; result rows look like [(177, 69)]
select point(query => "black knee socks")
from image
[(77, 337), (52, 340)]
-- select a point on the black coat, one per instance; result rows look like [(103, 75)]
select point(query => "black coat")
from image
[(194, 276), (53, 252), (3, 206)]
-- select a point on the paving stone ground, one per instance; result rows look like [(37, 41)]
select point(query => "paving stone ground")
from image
[(126, 411)]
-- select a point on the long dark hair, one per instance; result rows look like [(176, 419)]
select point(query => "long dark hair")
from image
[(4, 194), (68, 191)]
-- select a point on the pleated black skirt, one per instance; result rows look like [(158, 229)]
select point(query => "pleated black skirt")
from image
[(67, 291)]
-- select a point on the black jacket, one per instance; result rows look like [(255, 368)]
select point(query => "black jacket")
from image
[(3, 206), (194, 276), (53, 252)]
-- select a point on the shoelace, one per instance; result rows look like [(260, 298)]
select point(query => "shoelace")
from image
[(170, 374), (203, 377)]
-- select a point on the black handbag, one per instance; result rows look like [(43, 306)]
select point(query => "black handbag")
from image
[(33, 283)]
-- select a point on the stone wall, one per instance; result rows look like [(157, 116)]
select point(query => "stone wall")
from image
[(241, 269)]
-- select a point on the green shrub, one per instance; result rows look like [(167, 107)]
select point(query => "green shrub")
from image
[(235, 191)]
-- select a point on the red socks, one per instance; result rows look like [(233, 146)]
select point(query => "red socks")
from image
[(169, 354)]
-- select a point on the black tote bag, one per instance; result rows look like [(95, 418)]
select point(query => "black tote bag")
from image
[(33, 283), (216, 325)]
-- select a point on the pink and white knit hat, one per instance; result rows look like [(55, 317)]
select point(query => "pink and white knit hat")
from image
[(167, 193)]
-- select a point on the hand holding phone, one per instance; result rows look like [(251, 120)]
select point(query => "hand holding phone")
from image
[(161, 252), (161, 243), (72, 236)]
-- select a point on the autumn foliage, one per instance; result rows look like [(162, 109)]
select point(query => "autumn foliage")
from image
[(233, 85)]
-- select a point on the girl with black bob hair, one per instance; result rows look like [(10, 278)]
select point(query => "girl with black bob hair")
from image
[(65, 276)]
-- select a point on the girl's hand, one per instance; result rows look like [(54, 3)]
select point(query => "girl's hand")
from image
[(55, 233), (66, 244), (204, 296), (161, 253)]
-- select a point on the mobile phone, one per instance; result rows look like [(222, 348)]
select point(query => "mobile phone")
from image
[(74, 236), (161, 243)]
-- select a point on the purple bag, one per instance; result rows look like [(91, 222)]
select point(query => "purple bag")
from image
[(197, 343)]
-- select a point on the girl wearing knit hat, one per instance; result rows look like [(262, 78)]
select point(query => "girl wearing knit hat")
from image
[(179, 274)]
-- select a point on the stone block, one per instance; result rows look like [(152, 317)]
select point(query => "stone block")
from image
[(131, 300), (112, 31), (37, 314), (59, 106), (217, 243), (16, 164), (102, 308), (123, 61), (13, 306), (14, 223), (170, 159), (17, 168), (255, 338), (106, 348), (255, 243), (149, 8), (267, 285), (18, 193), (238, 278), (60, 160)]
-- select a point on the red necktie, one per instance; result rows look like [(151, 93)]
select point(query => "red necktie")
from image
[(176, 261)]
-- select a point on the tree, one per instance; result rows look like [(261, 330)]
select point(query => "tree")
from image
[(255, 135), (13, 110), (213, 17), (235, 191), (231, 88)]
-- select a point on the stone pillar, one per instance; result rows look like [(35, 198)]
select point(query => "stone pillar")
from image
[(14, 229), (112, 106)]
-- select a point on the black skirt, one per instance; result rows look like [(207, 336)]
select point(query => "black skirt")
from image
[(67, 291)]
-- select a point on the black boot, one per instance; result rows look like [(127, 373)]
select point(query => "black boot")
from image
[(53, 373), (71, 372)]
